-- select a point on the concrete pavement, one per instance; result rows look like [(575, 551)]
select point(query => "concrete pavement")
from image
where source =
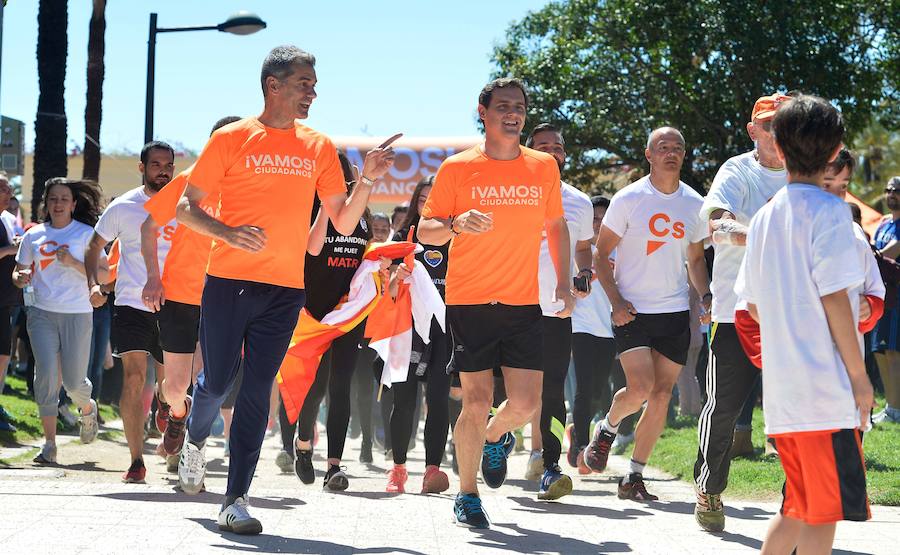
[(80, 506)]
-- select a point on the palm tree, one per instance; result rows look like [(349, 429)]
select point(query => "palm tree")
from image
[(93, 110), (50, 122)]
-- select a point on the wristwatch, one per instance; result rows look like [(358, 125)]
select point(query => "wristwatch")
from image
[(366, 181)]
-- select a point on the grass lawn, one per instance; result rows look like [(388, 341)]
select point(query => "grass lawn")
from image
[(761, 478), (21, 406)]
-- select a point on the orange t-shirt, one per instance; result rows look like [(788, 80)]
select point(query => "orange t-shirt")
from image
[(267, 177), (185, 269), (500, 265)]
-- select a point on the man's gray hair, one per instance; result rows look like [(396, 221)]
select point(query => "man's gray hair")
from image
[(894, 182), (280, 63)]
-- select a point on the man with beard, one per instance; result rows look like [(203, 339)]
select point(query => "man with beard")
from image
[(134, 328), (886, 340), (557, 336)]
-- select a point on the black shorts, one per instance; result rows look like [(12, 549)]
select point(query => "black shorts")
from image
[(486, 336), (135, 330), (179, 326), (669, 334), (6, 326)]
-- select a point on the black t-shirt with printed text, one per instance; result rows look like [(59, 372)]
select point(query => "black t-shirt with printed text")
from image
[(328, 275), (434, 258)]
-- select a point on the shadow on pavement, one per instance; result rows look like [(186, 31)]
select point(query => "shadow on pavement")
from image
[(268, 543), (684, 508), (533, 506), (368, 494), (281, 503), (533, 541)]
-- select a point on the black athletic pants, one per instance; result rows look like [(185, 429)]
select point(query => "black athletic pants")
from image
[(364, 390), (334, 377), (593, 357), (557, 337), (729, 382), (437, 396)]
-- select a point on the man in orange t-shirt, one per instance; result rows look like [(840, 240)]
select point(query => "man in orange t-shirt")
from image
[(265, 171), (176, 297), (495, 200)]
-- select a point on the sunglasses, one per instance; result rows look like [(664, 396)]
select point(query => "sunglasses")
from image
[(891, 191)]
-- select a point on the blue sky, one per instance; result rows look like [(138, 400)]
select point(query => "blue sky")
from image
[(410, 66)]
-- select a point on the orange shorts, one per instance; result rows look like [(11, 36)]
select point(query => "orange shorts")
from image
[(825, 476)]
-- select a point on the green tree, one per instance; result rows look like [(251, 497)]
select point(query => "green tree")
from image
[(879, 152), (50, 158), (609, 71)]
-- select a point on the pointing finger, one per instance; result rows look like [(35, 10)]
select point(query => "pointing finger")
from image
[(388, 142)]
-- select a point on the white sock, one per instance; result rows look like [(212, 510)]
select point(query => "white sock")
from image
[(635, 468), (605, 425)]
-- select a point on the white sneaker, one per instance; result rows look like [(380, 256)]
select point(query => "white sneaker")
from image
[(236, 518), (888, 414), (89, 425), (47, 454), (621, 443), (535, 468), (65, 413), (191, 469)]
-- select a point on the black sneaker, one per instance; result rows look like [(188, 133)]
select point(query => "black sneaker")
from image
[(303, 466), (596, 454), (469, 511), (336, 479), (493, 460), (365, 453)]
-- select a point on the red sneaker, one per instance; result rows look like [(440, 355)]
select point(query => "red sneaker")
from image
[(162, 414), (136, 473), (583, 468), (435, 480), (397, 477)]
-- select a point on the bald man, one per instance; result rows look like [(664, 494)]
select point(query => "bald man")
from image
[(654, 227)]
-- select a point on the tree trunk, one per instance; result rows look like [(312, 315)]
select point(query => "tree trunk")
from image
[(50, 123), (93, 110)]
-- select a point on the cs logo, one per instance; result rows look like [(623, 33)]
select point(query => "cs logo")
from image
[(661, 225)]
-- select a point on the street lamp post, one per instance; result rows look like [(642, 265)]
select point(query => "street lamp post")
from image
[(241, 23)]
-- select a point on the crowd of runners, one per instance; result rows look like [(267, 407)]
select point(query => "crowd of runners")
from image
[(266, 244)]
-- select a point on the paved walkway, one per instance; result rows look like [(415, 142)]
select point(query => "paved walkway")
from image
[(81, 506)]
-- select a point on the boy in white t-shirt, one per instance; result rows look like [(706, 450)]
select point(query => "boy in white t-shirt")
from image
[(800, 266)]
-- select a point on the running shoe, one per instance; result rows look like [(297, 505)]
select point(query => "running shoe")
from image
[(336, 479), (596, 454), (435, 480), (236, 518), (65, 414), (621, 443), (469, 511), (136, 473), (397, 477), (173, 437), (7, 427), (365, 453), (172, 463), (303, 466), (191, 468), (535, 467), (89, 426), (285, 462), (162, 414), (709, 512), (47, 454), (583, 468), (520, 440), (493, 460), (572, 452), (554, 484), (635, 489), (887, 415)]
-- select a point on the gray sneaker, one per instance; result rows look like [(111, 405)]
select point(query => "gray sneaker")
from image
[(89, 425), (285, 462), (47, 454), (621, 443)]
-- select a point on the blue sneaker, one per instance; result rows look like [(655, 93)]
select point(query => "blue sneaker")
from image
[(554, 484), (469, 511), (493, 460)]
